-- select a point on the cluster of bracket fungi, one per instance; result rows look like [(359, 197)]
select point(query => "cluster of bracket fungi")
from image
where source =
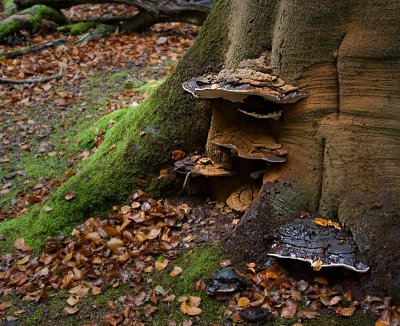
[(259, 96)]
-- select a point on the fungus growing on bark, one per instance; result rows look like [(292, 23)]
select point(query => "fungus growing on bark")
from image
[(302, 239), (197, 165), (250, 142), (241, 199), (237, 84)]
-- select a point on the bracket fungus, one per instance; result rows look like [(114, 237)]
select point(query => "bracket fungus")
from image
[(241, 199), (302, 239), (250, 142), (197, 165), (236, 85)]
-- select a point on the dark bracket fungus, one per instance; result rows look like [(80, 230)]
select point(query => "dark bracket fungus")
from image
[(224, 281), (238, 84), (302, 239), (251, 142)]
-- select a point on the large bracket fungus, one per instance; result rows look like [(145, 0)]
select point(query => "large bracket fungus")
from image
[(302, 239), (240, 126), (237, 84)]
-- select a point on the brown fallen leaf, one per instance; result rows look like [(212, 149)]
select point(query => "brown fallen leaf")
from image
[(5, 305), (161, 263), (188, 310), (347, 312), (71, 310), (288, 312), (73, 300), (194, 301), (70, 195), (177, 154), (176, 271), (115, 243)]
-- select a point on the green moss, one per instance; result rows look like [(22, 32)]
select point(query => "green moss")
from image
[(200, 264), (78, 28), (40, 12), (170, 118), (9, 7)]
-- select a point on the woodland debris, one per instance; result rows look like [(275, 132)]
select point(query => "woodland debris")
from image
[(236, 85), (302, 239), (255, 315)]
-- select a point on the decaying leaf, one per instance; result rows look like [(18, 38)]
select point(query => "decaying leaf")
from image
[(316, 265), (115, 243), (70, 195), (288, 312), (161, 263), (5, 305), (189, 310), (324, 222), (176, 271), (243, 302), (71, 310), (347, 312)]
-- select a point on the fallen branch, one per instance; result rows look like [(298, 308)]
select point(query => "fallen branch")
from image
[(33, 49), (45, 79)]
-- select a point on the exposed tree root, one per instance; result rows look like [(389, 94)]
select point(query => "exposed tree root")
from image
[(32, 80), (33, 49)]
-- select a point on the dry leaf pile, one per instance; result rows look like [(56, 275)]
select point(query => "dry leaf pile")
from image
[(121, 248), (286, 297)]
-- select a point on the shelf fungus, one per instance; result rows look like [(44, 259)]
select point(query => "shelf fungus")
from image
[(197, 165), (302, 239), (236, 85), (251, 142), (241, 199)]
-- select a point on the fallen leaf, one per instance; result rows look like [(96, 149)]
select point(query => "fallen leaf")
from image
[(316, 265), (243, 302), (288, 312), (115, 243), (73, 300), (347, 312), (71, 310), (163, 174), (161, 263), (194, 301), (93, 236), (5, 305), (176, 271), (69, 195), (188, 310), (177, 154)]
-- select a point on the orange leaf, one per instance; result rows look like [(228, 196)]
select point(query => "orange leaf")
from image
[(5, 305), (71, 310), (347, 312), (243, 302), (161, 264)]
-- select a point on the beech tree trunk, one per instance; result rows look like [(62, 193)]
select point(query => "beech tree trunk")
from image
[(342, 140)]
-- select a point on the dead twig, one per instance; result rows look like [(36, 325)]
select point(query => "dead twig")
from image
[(45, 79), (33, 49)]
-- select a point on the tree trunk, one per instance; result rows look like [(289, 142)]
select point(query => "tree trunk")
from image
[(342, 139)]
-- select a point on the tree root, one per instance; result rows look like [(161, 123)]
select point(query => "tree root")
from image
[(100, 31), (30, 18), (45, 79), (33, 49)]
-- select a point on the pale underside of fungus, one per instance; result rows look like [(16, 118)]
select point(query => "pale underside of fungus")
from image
[(302, 239)]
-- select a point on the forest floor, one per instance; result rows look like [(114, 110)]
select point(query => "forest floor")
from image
[(147, 263)]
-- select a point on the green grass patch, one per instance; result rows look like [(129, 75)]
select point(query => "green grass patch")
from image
[(200, 264)]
